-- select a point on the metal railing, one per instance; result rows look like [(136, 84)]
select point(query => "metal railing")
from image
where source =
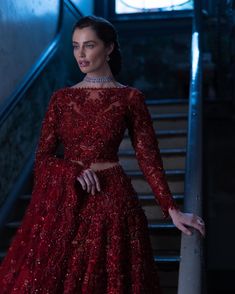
[(191, 268), (17, 97), (43, 60), (40, 65)]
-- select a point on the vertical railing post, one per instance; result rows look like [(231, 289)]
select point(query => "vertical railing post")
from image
[(191, 252)]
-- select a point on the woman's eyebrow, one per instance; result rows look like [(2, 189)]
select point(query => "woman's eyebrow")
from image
[(84, 42)]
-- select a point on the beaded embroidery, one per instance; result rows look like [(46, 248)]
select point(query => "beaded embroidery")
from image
[(71, 241)]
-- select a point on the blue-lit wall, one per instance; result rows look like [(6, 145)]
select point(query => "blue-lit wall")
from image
[(86, 7), (27, 29)]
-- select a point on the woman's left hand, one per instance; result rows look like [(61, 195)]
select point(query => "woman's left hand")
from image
[(182, 219)]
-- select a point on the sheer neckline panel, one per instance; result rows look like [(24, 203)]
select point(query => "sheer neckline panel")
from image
[(96, 88)]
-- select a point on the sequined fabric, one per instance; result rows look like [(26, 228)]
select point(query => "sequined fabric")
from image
[(71, 241)]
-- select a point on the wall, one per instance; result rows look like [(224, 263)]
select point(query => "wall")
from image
[(86, 7), (26, 28), (20, 132)]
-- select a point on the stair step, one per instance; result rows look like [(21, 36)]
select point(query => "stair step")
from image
[(166, 139), (164, 133), (2, 254), (161, 226), (176, 184), (169, 116), (167, 258), (173, 158), (167, 106), (150, 197), (173, 172), (169, 290), (171, 101), (25, 197), (152, 225), (176, 141), (13, 224), (165, 240), (169, 279), (157, 258), (163, 151)]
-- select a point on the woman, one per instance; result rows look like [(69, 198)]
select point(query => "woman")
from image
[(84, 230)]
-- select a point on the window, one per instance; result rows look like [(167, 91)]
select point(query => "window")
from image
[(148, 6)]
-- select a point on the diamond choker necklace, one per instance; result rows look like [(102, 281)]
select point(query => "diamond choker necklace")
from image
[(98, 79)]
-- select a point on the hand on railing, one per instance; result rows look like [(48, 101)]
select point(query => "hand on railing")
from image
[(182, 219)]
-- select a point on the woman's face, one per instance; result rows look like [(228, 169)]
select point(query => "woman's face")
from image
[(90, 51)]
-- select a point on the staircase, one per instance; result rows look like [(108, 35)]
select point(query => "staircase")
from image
[(170, 122)]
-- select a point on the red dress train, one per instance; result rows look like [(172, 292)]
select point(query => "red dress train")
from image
[(71, 241)]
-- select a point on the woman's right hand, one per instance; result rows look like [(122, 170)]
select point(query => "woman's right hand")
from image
[(89, 181)]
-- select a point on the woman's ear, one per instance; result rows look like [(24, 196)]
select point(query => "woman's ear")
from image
[(110, 48)]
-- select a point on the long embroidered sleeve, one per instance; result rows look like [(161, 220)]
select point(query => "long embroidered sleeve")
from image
[(71, 241), (147, 152), (45, 158)]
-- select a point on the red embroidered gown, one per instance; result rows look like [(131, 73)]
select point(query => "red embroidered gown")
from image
[(71, 241)]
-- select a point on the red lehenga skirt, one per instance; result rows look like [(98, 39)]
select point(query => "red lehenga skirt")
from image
[(74, 242)]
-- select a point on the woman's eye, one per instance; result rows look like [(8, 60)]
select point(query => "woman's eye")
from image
[(75, 46), (90, 46)]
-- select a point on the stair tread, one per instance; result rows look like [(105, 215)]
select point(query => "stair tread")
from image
[(167, 132), (2, 253), (129, 151), (166, 101), (161, 116), (167, 172), (172, 132), (157, 257), (13, 224), (25, 196), (158, 224), (167, 258), (152, 197)]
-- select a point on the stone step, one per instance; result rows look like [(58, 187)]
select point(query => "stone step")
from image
[(169, 173), (142, 187), (167, 105), (165, 240), (25, 197), (169, 279), (166, 139), (170, 121), (153, 210), (172, 158), (167, 259), (163, 151), (150, 197)]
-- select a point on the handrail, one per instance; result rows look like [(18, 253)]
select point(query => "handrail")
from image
[(191, 253), (12, 101), (73, 8), (16, 97), (47, 55)]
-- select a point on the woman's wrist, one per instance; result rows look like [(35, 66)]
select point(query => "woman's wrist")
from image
[(173, 210)]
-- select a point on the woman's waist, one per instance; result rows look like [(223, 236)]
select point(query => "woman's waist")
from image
[(97, 165)]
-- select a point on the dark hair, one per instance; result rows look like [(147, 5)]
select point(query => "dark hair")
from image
[(108, 34)]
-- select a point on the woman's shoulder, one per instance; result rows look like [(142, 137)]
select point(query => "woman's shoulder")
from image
[(133, 92), (136, 95)]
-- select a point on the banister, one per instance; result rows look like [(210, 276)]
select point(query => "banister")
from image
[(11, 102), (191, 267)]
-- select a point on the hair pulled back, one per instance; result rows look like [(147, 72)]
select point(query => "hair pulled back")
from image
[(108, 34)]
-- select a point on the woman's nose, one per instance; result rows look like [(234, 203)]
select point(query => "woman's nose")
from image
[(81, 52)]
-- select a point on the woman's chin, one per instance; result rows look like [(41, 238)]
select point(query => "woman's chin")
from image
[(84, 70)]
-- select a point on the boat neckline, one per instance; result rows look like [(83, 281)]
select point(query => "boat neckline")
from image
[(96, 88)]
